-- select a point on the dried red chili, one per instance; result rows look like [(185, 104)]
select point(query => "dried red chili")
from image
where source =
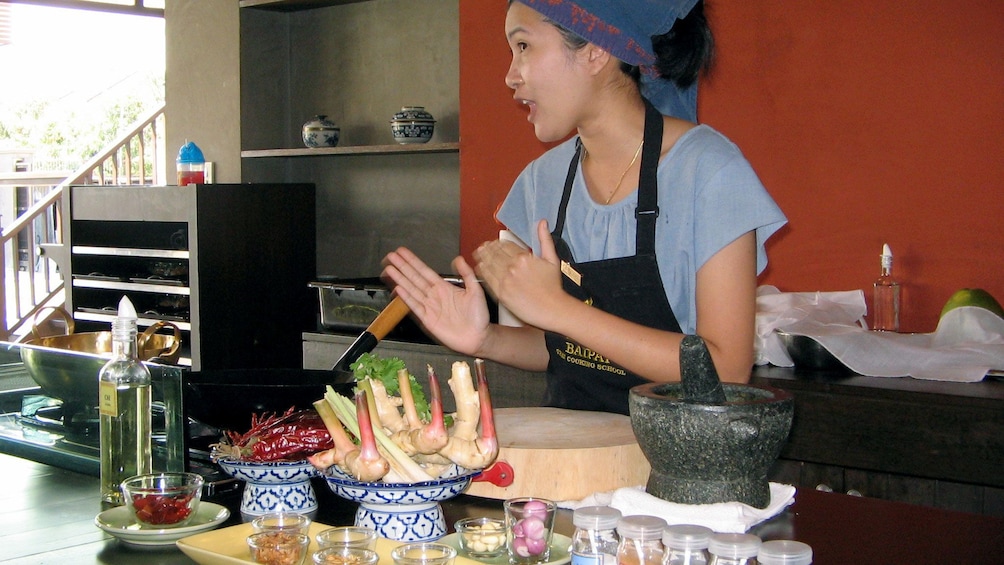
[(290, 437)]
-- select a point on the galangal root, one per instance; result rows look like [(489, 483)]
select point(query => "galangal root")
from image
[(395, 443), (465, 447)]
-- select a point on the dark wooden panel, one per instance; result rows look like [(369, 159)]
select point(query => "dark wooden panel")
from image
[(993, 501), (911, 489), (961, 497), (256, 256), (940, 436)]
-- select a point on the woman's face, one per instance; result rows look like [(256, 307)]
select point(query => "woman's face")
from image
[(545, 74)]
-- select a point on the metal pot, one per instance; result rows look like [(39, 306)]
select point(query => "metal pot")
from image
[(67, 366), (810, 355), (350, 304)]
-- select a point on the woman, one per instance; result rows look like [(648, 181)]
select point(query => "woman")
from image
[(644, 227)]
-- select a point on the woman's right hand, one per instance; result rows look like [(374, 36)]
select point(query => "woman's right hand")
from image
[(456, 317)]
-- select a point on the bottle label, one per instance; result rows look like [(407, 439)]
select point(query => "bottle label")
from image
[(586, 559), (108, 399)]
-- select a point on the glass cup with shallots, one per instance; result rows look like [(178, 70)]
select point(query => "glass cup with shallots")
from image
[(529, 526)]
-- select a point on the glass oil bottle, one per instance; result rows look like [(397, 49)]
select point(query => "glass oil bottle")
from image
[(124, 397)]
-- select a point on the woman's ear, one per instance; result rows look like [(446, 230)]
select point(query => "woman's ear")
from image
[(596, 57)]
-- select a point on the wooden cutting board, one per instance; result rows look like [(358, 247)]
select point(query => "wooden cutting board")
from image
[(565, 454)]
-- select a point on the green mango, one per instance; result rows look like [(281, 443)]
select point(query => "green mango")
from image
[(973, 297)]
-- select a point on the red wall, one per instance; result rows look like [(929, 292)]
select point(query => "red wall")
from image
[(869, 122)]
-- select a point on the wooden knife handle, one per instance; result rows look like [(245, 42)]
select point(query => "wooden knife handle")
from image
[(388, 318)]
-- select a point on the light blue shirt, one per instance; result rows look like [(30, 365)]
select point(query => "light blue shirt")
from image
[(709, 195)]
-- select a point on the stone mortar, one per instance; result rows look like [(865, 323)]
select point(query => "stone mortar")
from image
[(707, 453)]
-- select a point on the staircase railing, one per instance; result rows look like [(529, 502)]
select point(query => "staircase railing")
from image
[(31, 281)]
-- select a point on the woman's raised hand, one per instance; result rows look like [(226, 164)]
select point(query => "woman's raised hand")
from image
[(455, 316), (529, 286)]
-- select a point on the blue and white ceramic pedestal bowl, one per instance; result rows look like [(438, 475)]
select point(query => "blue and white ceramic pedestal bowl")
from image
[(399, 511), (274, 486)]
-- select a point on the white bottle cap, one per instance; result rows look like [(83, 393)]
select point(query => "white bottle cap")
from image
[(886, 256), (125, 320), (126, 309)]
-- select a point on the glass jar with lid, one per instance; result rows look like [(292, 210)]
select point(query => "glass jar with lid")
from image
[(641, 540), (686, 544), (733, 549), (595, 539), (784, 552)]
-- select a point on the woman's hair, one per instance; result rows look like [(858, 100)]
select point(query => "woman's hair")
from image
[(686, 50), (682, 53)]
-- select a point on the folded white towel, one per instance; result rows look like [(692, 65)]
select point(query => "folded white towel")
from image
[(724, 517)]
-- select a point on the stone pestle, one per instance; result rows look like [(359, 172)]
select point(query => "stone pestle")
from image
[(699, 382)]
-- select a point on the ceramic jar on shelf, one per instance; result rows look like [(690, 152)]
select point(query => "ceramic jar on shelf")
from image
[(413, 124), (320, 132)]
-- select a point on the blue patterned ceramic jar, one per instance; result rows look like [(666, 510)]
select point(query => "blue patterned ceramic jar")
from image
[(412, 125), (320, 132)]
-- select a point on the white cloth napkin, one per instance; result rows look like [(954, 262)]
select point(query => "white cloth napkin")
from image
[(968, 342), (723, 517)]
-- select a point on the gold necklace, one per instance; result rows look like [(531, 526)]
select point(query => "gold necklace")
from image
[(624, 174)]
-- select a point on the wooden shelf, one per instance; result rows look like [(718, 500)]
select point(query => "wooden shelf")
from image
[(293, 5), (354, 150)]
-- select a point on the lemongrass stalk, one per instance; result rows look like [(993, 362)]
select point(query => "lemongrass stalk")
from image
[(403, 465)]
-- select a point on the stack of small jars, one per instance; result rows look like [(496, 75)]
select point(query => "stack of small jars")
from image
[(604, 537)]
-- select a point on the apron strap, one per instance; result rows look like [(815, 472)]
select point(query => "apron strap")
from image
[(648, 182), (573, 165)]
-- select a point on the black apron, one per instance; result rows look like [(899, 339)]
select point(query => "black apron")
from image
[(627, 287)]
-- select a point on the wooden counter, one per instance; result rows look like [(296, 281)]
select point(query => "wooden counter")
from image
[(49, 515), (932, 443)]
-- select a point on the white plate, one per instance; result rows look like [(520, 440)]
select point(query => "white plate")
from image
[(120, 523), (560, 546)]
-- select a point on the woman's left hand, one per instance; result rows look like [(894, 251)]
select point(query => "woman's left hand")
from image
[(529, 286)]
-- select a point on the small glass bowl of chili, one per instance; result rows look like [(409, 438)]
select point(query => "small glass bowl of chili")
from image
[(163, 500)]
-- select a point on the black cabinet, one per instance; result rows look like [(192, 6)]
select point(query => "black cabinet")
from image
[(228, 264), (934, 443)]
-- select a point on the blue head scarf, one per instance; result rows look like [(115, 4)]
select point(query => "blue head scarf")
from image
[(625, 29)]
